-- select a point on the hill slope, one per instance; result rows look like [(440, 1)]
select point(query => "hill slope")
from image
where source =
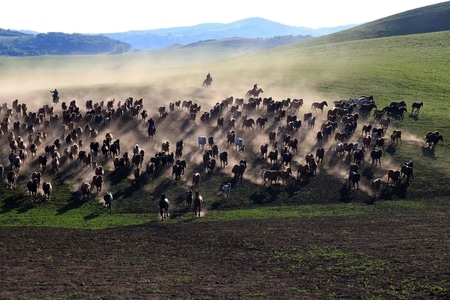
[(432, 18)]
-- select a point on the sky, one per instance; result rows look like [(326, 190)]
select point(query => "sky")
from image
[(99, 16)]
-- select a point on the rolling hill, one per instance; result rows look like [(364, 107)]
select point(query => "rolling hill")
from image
[(432, 18)]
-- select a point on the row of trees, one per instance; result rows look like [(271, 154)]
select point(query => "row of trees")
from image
[(56, 43)]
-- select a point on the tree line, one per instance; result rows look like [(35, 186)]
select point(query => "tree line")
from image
[(15, 43)]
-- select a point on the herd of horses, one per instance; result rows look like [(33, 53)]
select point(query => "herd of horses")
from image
[(277, 118)]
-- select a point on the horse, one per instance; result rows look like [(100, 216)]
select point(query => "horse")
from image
[(311, 122), (287, 158), (432, 138), (239, 169), (375, 186), (198, 199), (32, 186), (264, 148), (239, 144), (319, 105), (226, 189), (248, 123), (85, 190), (394, 176), (47, 188), (11, 178), (261, 122), (202, 140), (151, 130), (320, 153), (188, 197), (354, 178), (416, 107), (207, 82), (303, 171), (273, 156), (163, 206), (358, 156), (396, 136), (108, 198), (366, 129), (271, 176), (223, 156), (285, 175), (196, 180), (254, 93), (407, 172), (376, 156), (177, 170)]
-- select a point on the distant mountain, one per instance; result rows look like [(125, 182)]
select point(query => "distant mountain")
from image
[(250, 28)]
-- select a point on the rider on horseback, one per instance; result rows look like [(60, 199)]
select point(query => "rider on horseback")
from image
[(151, 123), (208, 77), (55, 93)]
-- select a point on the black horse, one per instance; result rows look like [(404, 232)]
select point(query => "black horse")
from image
[(151, 130), (163, 206), (188, 197)]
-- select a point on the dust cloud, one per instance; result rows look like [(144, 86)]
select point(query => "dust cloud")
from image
[(159, 86)]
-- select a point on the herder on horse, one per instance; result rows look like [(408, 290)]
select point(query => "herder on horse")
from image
[(55, 96), (254, 92), (207, 81)]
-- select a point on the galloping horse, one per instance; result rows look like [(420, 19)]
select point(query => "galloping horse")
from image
[(317, 105), (254, 93), (198, 199), (207, 82), (188, 197), (163, 206)]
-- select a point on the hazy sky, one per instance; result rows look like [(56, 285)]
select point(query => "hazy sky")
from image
[(98, 16)]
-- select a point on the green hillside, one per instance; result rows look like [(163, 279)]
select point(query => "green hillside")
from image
[(432, 18)]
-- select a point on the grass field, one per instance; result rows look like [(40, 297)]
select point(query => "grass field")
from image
[(351, 244)]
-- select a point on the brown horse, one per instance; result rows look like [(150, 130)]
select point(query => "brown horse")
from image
[(271, 176), (319, 105), (254, 93), (198, 199), (163, 206), (248, 123)]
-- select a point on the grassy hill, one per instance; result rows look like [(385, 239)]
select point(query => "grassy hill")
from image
[(427, 19), (310, 239), (400, 68)]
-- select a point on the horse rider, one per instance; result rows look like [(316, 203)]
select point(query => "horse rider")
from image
[(151, 123), (55, 93), (255, 87), (208, 77)]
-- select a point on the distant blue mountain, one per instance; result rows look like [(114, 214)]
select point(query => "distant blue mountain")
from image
[(246, 28)]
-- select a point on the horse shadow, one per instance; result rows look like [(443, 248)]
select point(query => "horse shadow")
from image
[(414, 116), (369, 173), (427, 152), (346, 193), (94, 214), (74, 203), (14, 202), (391, 149)]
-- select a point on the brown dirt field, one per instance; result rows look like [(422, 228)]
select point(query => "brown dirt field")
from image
[(401, 256)]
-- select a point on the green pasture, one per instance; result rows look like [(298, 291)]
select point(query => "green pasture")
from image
[(414, 68)]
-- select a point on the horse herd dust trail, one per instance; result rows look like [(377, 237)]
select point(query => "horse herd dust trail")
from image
[(178, 126)]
